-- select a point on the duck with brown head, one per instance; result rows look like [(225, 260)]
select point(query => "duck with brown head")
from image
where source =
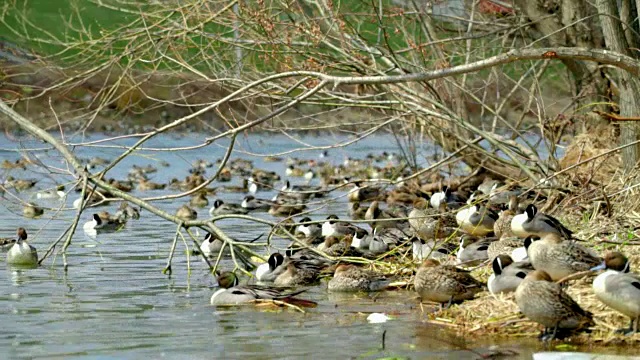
[(22, 253)]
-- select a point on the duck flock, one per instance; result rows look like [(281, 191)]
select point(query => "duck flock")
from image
[(396, 218)]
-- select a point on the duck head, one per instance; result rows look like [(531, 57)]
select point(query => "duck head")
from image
[(21, 234), (615, 261), (501, 262), (227, 280)]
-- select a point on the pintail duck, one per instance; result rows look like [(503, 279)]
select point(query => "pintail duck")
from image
[(309, 230), (445, 284), (22, 253), (146, 185), (270, 270), (560, 258), (31, 211), (619, 289), (453, 200), (298, 273), (186, 213), (283, 208), (430, 249), (350, 278), (507, 274), (102, 222), (336, 247), (19, 184), (472, 251), (429, 223), (365, 193), (58, 193), (211, 245), (532, 222), (512, 246), (544, 302), (252, 204), (502, 226), (476, 219), (375, 213), (332, 227), (356, 211), (199, 200), (294, 171), (233, 294), (222, 208)]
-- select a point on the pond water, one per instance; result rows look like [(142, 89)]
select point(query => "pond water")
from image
[(114, 302)]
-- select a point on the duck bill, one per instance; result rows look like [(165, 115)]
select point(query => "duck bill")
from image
[(599, 267)]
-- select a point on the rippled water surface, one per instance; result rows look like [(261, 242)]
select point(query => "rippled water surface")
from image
[(115, 302)]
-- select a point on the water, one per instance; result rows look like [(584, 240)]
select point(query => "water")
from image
[(114, 302)]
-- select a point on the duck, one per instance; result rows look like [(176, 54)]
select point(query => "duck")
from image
[(146, 185), (453, 200), (211, 245), (186, 213), (356, 211), (18, 164), (430, 249), (240, 189), (361, 240), (253, 204), (365, 193), (472, 251), (619, 289), (512, 246), (502, 226), (104, 223), (283, 208), (270, 270), (336, 247), (445, 284), (58, 193), (507, 274), (233, 294), (19, 184), (475, 219), (544, 302), (374, 213), (298, 273), (126, 212), (199, 200), (31, 211), (22, 253), (560, 258), (301, 192), (124, 186), (350, 278), (332, 227), (222, 208), (294, 171), (309, 230), (532, 222)]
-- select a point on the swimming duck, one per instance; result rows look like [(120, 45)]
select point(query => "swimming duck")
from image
[(453, 200), (224, 175), (532, 222), (298, 273), (126, 212), (124, 186), (18, 164), (199, 200), (211, 245), (475, 219), (186, 213), (619, 289), (544, 302), (19, 184), (270, 270), (252, 204), (104, 223), (445, 284), (51, 194), (350, 278), (22, 253), (507, 274), (31, 211), (146, 185), (512, 246), (221, 208), (294, 171), (233, 294), (502, 226), (365, 193), (309, 230), (283, 208), (560, 258), (472, 251)]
